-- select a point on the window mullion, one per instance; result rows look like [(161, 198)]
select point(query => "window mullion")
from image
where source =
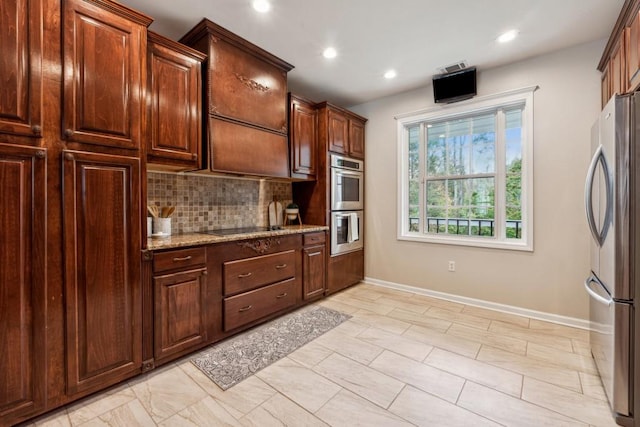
[(422, 165), (500, 179)]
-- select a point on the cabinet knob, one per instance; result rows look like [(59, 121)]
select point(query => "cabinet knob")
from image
[(68, 133), (68, 156), (242, 276), (36, 129), (194, 156), (282, 295), (41, 154), (247, 308), (205, 273)]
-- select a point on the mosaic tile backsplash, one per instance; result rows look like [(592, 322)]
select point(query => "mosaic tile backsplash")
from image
[(207, 202)]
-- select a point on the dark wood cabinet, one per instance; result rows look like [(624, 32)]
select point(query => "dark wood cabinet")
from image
[(314, 265), (345, 270), (246, 101), (303, 138), (21, 67), (356, 138), (618, 68), (337, 132), (256, 278), (180, 290), (342, 129), (22, 281), (633, 53), (175, 93), (102, 242), (104, 86)]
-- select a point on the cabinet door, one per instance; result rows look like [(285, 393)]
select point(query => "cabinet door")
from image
[(303, 138), (313, 271), (22, 280), (617, 72), (20, 67), (101, 210), (356, 139), (175, 93), (179, 322), (103, 83), (633, 54), (338, 130), (605, 87)]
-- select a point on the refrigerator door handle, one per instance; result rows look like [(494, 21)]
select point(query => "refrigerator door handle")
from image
[(598, 158), (593, 294)]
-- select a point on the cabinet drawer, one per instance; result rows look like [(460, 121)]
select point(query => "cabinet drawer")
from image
[(246, 274), (245, 308), (178, 259), (314, 238)]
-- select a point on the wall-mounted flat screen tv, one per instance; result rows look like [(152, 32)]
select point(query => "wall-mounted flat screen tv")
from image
[(454, 87)]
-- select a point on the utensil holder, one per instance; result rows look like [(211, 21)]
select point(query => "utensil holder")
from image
[(162, 225)]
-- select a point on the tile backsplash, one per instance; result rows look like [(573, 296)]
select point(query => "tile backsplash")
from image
[(206, 202)]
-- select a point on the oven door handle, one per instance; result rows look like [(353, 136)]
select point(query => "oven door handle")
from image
[(348, 172)]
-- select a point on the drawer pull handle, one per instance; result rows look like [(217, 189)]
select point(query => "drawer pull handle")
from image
[(242, 276), (281, 266), (184, 258), (247, 308), (282, 295)]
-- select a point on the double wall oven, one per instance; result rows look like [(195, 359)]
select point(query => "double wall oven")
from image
[(347, 204)]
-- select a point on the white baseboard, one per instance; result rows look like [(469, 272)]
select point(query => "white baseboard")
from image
[(510, 309)]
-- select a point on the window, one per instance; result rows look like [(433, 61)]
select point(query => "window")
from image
[(466, 173)]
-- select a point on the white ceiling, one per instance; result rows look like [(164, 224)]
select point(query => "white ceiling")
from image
[(414, 37)]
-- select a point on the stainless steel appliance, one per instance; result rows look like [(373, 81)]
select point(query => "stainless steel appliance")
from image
[(611, 198), (346, 231), (347, 183)]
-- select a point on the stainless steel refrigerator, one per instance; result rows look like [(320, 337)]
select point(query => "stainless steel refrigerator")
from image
[(611, 199)]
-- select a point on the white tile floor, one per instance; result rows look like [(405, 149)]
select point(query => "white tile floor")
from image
[(402, 359)]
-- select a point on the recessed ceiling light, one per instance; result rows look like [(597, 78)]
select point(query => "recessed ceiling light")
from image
[(329, 53), (507, 36), (261, 6), (390, 74)]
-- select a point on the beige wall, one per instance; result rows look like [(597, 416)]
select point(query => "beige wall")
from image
[(549, 279)]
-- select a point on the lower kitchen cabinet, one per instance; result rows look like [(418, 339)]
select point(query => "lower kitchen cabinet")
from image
[(179, 292), (250, 306), (102, 269), (257, 278), (345, 270), (313, 265), (22, 281)]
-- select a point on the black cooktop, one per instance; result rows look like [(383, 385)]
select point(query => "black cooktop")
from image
[(228, 231)]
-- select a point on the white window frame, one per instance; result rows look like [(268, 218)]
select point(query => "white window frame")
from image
[(475, 106)]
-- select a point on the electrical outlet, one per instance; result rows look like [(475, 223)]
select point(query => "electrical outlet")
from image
[(452, 266)]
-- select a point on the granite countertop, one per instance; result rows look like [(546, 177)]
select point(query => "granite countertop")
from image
[(194, 239)]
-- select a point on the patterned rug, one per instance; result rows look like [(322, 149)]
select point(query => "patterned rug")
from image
[(233, 360)]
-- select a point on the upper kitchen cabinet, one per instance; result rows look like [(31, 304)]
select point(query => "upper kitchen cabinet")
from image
[(20, 67), (175, 93), (23, 298), (342, 129), (620, 62), (105, 46), (246, 101), (633, 53), (303, 138)]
